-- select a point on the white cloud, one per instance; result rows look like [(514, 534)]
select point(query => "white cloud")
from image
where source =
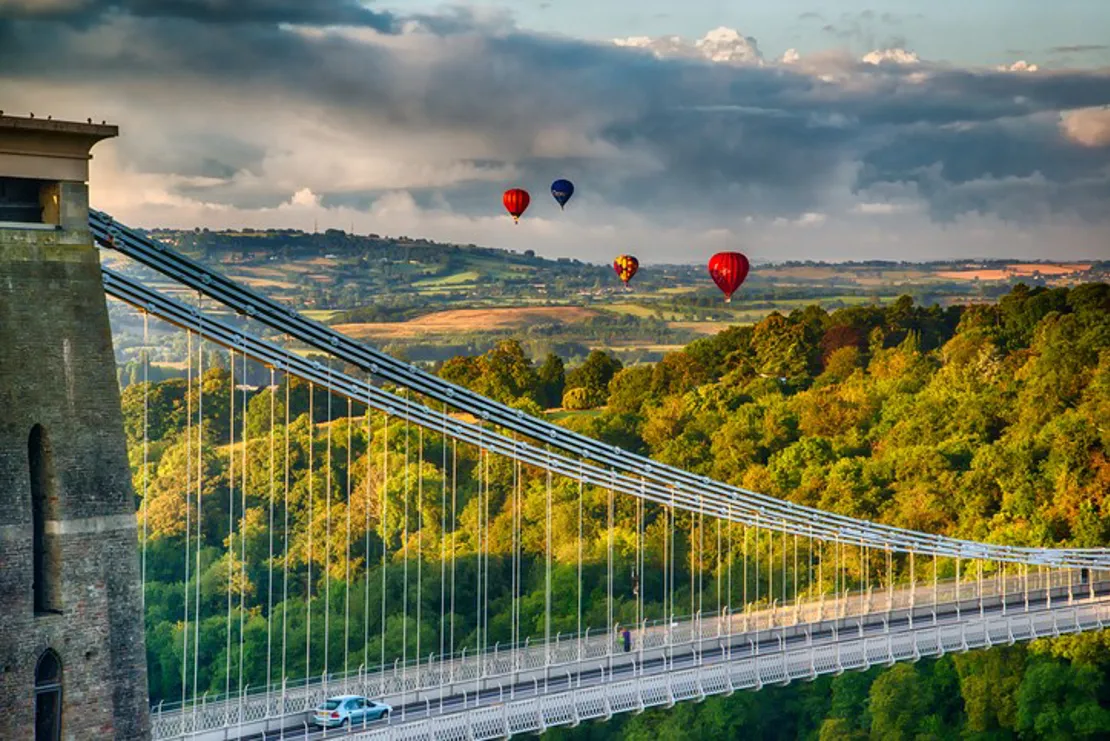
[(881, 209), (893, 56), (722, 45), (1019, 66), (305, 198), (729, 45), (1087, 126)]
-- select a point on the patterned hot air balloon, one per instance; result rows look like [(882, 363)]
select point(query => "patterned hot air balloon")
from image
[(626, 266), (516, 202), (728, 270), (562, 190)]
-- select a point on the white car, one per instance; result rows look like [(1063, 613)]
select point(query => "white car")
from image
[(347, 711)]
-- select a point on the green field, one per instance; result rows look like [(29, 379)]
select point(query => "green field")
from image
[(469, 276), (320, 315), (562, 415), (637, 310), (340, 278)]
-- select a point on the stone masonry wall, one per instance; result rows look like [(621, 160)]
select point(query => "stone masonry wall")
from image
[(57, 369)]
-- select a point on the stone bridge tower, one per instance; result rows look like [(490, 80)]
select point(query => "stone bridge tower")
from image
[(72, 656)]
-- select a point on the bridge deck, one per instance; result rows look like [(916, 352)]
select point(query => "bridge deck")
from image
[(507, 676)]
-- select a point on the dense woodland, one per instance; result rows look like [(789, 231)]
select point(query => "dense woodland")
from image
[(986, 422)]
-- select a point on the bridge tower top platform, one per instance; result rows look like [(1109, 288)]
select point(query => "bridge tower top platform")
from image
[(72, 653), (44, 168)]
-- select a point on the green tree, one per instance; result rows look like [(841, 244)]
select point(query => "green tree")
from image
[(780, 348), (629, 389), (594, 376), (461, 371), (1056, 702), (576, 399), (506, 374), (899, 703), (165, 409), (551, 381), (840, 729)]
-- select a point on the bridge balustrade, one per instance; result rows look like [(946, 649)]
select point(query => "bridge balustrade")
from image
[(685, 634)]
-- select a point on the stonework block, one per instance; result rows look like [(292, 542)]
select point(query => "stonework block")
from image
[(73, 207)]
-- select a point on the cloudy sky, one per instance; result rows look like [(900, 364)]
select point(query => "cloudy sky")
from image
[(838, 131)]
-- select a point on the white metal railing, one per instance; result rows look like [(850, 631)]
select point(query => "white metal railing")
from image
[(436, 673), (747, 672)]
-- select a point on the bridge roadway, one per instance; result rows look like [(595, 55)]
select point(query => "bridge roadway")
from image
[(768, 645)]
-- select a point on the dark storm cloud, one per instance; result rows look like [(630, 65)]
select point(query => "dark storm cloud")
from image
[(694, 136), (207, 155), (950, 96), (758, 161), (86, 12), (1012, 170)]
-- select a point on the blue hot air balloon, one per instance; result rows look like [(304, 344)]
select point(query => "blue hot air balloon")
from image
[(562, 190)]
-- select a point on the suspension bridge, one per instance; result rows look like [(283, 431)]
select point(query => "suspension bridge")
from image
[(358, 548), (835, 593)]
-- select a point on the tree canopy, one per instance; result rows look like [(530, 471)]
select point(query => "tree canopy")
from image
[(986, 422)]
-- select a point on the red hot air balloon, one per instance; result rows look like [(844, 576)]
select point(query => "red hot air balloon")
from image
[(516, 202), (626, 267), (728, 270)]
